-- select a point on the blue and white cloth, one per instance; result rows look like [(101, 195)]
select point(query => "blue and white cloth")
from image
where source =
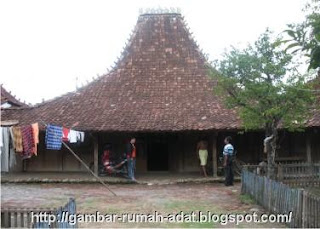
[(54, 137), (228, 150)]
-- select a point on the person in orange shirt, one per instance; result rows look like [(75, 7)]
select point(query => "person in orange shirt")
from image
[(131, 157)]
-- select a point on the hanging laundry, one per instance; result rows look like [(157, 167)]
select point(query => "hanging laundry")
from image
[(76, 136), (80, 136), (73, 136), (8, 157), (17, 139), (35, 129), (53, 138), (27, 141), (12, 137), (5, 150), (12, 153), (1, 138), (65, 136)]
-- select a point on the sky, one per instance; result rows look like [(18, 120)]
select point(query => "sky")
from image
[(47, 48)]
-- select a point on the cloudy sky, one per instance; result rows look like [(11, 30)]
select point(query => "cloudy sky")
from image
[(46, 45)]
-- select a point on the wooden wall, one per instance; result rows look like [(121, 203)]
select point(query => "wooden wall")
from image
[(315, 144), (60, 160), (292, 146), (248, 146), (181, 147)]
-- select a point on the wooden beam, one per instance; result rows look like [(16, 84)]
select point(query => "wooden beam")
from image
[(308, 147), (95, 155), (214, 155)]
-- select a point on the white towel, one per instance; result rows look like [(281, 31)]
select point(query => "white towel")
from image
[(72, 136)]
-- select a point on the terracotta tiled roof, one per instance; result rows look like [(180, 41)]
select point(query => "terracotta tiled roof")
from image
[(314, 120), (161, 83), (6, 97)]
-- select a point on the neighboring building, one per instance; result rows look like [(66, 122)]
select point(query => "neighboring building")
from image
[(9, 101), (305, 145), (313, 128), (160, 91)]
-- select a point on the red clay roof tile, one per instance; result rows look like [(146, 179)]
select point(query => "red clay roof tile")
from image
[(161, 83)]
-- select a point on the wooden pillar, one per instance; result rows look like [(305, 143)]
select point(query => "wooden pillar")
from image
[(24, 165), (214, 155), (308, 147), (95, 155), (181, 153)]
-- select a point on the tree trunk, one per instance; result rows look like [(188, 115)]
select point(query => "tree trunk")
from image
[(271, 129)]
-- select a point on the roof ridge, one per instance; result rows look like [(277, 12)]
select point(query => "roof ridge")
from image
[(159, 14), (159, 11)]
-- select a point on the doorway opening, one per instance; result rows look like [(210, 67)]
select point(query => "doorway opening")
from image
[(158, 157)]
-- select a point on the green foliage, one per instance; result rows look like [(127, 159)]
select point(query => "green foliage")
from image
[(247, 199), (260, 82), (305, 37)]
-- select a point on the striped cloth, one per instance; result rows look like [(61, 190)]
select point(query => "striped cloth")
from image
[(54, 137), (17, 138), (27, 141)]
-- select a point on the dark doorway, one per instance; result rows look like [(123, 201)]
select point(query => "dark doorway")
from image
[(158, 157)]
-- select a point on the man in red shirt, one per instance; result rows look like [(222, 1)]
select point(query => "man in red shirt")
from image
[(131, 157)]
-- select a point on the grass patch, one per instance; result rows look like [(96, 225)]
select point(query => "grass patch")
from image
[(247, 199), (314, 190), (193, 225)]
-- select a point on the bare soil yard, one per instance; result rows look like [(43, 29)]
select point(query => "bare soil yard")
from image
[(164, 199)]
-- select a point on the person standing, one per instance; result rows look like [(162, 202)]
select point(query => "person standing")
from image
[(131, 157), (202, 151), (106, 157), (228, 151)]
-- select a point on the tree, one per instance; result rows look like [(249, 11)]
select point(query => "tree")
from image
[(305, 36), (261, 83)]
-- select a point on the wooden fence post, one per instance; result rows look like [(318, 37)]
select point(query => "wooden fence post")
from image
[(214, 155), (304, 204), (269, 183), (277, 197)]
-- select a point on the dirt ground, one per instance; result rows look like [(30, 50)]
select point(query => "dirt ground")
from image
[(164, 199)]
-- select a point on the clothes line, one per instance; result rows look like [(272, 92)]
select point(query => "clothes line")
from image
[(57, 135), (8, 156), (26, 138), (24, 141)]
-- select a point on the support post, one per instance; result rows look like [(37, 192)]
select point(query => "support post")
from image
[(308, 147), (95, 155), (181, 153), (214, 155), (280, 173)]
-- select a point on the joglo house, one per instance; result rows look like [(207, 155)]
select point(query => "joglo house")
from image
[(160, 92)]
